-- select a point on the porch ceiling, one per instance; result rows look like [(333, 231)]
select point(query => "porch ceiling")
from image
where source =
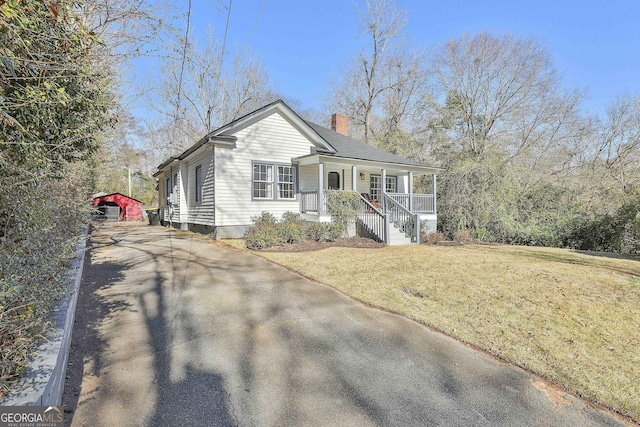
[(314, 159)]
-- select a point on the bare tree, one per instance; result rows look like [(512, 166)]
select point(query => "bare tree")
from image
[(380, 89), (619, 151), (501, 93), (213, 91)]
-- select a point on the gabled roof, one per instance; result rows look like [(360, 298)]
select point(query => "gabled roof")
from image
[(327, 142), (113, 195), (350, 148)]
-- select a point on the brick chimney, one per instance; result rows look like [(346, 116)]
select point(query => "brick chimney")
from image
[(340, 124)]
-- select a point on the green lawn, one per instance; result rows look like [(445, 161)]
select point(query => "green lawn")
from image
[(573, 318)]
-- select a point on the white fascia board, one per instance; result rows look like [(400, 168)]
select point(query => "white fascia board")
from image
[(317, 158), (287, 113)]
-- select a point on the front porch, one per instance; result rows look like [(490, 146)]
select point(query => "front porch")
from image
[(389, 210), (312, 203), (395, 220)]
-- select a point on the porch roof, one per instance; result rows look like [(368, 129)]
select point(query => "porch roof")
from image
[(353, 151)]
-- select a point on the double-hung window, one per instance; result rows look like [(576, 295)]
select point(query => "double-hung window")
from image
[(271, 181), (286, 183), (262, 181)]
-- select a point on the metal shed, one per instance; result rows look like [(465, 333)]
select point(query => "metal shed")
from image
[(117, 206)]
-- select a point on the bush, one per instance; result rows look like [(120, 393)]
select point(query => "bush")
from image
[(268, 232), (264, 217), (290, 217), (433, 238), (608, 232), (39, 229), (461, 236), (264, 235), (292, 231), (335, 231), (343, 206), (317, 231)]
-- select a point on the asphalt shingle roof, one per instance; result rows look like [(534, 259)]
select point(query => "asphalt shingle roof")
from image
[(353, 149)]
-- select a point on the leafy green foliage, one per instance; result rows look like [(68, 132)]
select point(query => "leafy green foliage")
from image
[(609, 232), (267, 232), (342, 206), (54, 103), (52, 99), (317, 231), (264, 217)]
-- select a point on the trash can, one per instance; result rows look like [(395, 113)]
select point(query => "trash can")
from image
[(154, 216)]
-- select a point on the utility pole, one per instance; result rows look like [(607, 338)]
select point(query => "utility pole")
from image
[(129, 173)]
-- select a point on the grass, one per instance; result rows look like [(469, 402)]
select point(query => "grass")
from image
[(572, 318)]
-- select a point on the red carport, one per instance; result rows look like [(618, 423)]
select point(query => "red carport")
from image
[(130, 208)]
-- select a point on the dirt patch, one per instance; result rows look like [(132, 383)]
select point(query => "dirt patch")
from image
[(311, 245), (554, 392)]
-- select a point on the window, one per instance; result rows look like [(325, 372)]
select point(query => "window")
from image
[(390, 187), (392, 184), (286, 183), (198, 184), (272, 181), (333, 181), (262, 181)]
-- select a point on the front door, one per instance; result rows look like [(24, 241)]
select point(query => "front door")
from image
[(391, 187)]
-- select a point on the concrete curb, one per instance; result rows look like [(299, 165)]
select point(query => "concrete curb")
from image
[(43, 382)]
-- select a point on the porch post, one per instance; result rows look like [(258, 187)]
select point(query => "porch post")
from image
[(410, 191), (353, 177), (433, 190), (320, 189), (383, 188)]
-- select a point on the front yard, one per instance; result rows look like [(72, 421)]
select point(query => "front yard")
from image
[(573, 318)]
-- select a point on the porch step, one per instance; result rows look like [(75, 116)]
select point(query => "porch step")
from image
[(397, 237)]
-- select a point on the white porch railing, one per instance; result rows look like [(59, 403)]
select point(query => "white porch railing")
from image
[(406, 221), (373, 221), (309, 202), (420, 203)]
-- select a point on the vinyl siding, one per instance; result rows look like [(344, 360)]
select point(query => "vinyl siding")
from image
[(201, 212), (308, 177), (174, 199), (271, 140)]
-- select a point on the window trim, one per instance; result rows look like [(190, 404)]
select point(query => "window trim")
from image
[(278, 182), (253, 181), (275, 182), (371, 177), (339, 180)]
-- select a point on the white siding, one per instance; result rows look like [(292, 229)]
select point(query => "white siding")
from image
[(162, 184), (182, 199), (272, 139), (175, 199), (202, 212), (308, 177)]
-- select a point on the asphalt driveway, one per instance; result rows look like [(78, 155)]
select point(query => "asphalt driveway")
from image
[(173, 329)]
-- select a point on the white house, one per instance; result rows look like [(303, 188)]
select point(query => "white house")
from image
[(273, 160)]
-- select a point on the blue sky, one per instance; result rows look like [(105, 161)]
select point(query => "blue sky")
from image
[(595, 44)]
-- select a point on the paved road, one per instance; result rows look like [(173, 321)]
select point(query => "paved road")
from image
[(174, 330)]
